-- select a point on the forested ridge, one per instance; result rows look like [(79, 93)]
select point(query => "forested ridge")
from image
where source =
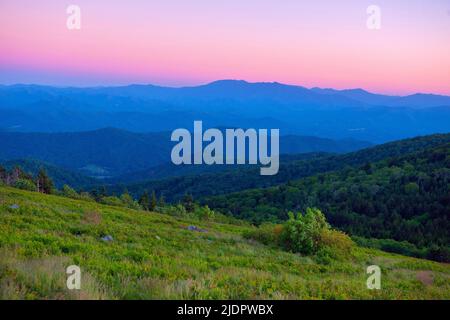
[(393, 197), (291, 168), (405, 198)]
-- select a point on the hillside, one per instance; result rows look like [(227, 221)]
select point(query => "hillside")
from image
[(154, 256), (100, 153), (291, 168), (111, 152), (405, 198), (165, 172)]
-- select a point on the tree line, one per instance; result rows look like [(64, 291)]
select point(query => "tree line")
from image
[(18, 178)]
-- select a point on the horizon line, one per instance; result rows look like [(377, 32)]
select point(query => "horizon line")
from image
[(215, 81)]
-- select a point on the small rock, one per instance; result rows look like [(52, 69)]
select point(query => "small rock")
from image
[(107, 238), (14, 206), (194, 228), (157, 237)]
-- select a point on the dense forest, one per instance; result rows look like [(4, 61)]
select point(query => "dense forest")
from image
[(292, 167), (114, 155), (405, 198)]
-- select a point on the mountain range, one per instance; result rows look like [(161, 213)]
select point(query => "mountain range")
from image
[(328, 113), (110, 152)]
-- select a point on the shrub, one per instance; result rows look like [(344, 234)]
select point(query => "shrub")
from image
[(129, 202), (69, 192), (334, 244), (389, 245), (86, 196), (306, 234), (25, 184), (267, 233), (301, 233), (176, 211), (112, 201), (203, 213)]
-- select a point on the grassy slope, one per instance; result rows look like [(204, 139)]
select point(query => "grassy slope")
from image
[(153, 256)]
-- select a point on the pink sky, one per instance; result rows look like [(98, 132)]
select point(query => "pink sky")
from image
[(181, 42)]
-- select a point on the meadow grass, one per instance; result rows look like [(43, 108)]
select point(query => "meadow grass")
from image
[(154, 256)]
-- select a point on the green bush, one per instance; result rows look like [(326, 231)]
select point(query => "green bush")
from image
[(25, 184), (125, 200), (69, 192), (175, 211), (334, 245), (129, 202), (301, 233), (307, 234), (390, 245), (112, 201), (204, 213)]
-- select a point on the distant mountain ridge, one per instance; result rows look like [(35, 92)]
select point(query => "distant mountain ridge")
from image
[(417, 100), (334, 114), (22, 94), (112, 152)]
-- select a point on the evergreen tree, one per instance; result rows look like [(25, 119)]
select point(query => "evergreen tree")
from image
[(144, 200), (188, 202), (154, 201), (162, 201), (44, 183), (128, 200), (3, 175)]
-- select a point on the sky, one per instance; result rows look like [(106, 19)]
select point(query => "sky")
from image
[(190, 42)]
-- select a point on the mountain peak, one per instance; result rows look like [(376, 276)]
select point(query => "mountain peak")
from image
[(227, 83), (357, 90)]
